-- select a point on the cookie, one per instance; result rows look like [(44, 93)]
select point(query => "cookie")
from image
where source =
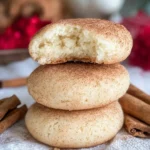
[(75, 129), (86, 40), (77, 86)]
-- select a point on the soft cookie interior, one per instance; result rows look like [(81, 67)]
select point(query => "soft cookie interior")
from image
[(63, 43)]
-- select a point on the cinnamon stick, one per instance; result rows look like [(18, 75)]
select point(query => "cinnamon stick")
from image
[(136, 127), (56, 148), (139, 93), (12, 117), (136, 108), (8, 104), (13, 82), (1, 101)]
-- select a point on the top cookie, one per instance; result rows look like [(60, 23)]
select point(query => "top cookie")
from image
[(87, 40)]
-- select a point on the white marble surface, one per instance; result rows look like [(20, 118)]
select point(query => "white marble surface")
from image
[(18, 138)]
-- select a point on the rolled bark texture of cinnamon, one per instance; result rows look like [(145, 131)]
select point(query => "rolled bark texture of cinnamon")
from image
[(139, 94), (135, 107), (12, 118), (8, 104), (135, 104), (136, 127), (9, 113)]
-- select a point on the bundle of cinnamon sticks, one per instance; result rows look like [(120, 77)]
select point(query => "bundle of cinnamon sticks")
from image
[(136, 106), (9, 113)]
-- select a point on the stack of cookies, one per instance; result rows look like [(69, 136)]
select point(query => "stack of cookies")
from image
[(79, 82)]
